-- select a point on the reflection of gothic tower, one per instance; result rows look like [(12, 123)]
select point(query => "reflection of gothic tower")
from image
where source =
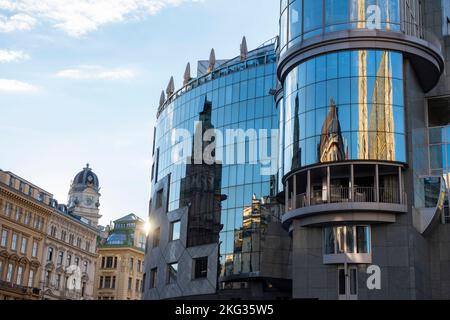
[(331, 146), (363, 139), (361, 14), (84, 196), (296, 145), (381, 138), (200, 191)]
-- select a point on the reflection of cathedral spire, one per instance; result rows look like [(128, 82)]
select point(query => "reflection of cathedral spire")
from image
[(381, 137), (363, 139), (331, 146), (361, 14), (296, 146), (200, 191)]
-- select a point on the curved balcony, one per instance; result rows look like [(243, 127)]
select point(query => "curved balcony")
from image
[(362, 192), (421, 46)]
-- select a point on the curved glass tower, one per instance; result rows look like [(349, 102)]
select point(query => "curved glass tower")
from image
[(214, 222), (354, 77)]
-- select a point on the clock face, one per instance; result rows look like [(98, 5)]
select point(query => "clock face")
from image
[(90, 179), (89, 201)]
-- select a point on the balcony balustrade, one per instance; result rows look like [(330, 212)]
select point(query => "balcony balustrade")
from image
[(346, 194), (355, 191)]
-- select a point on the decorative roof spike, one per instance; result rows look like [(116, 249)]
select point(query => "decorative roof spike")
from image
[(170, 88), (187, 74), (162, 99), (244, 49), (212, 60)]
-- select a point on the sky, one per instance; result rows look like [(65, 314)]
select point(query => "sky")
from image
[(80, 82)]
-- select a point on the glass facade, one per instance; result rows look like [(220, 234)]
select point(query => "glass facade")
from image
[(344, 106), (304, 19), (439, 144), (236, 196)]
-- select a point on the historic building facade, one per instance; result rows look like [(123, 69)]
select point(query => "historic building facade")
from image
[(24, 216), (120, 262), (364, 113), (48, 251)]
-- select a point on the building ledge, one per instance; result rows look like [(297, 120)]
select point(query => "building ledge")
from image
[(334, 213)]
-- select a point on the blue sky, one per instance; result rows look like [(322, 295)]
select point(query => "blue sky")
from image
[(80, 81)]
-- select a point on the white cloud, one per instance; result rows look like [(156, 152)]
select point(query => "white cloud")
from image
[(14, 86), (96, 73), (78, 17), (12, 56), (16, 22)]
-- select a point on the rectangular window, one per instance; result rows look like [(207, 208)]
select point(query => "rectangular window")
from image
[(156, 237), (34, 249), (50, 254), (139, 268), (58, 281), (342, 283), (77, 261), (107, 283), (18, 214), (60, 258), (100, 284), (115, 262), (8, 209), (353, 281), (153, 275), (9, 272), (175, 230), (130, 283), (313, 18), (109, 262), (27, 218), (23, 245), (69, 260), (48, 278), (85, 266), (19, 276), (201, 268), (137, 285), (4, 241), (31, 279), (113, 282), (348, 283), (159, 199), (131, 264), (363, 239), (172, 271), (14, 242)]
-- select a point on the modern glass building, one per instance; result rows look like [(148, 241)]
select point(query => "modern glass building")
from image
[(364, 141), (358, 207), (216, 228)]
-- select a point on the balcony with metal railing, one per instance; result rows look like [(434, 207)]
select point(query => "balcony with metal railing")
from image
[(25, 292), (352, 192)]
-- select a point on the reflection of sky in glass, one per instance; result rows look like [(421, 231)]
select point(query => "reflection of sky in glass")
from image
[(303, 19)]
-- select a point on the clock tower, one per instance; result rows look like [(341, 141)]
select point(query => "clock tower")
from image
[(84, 196)]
